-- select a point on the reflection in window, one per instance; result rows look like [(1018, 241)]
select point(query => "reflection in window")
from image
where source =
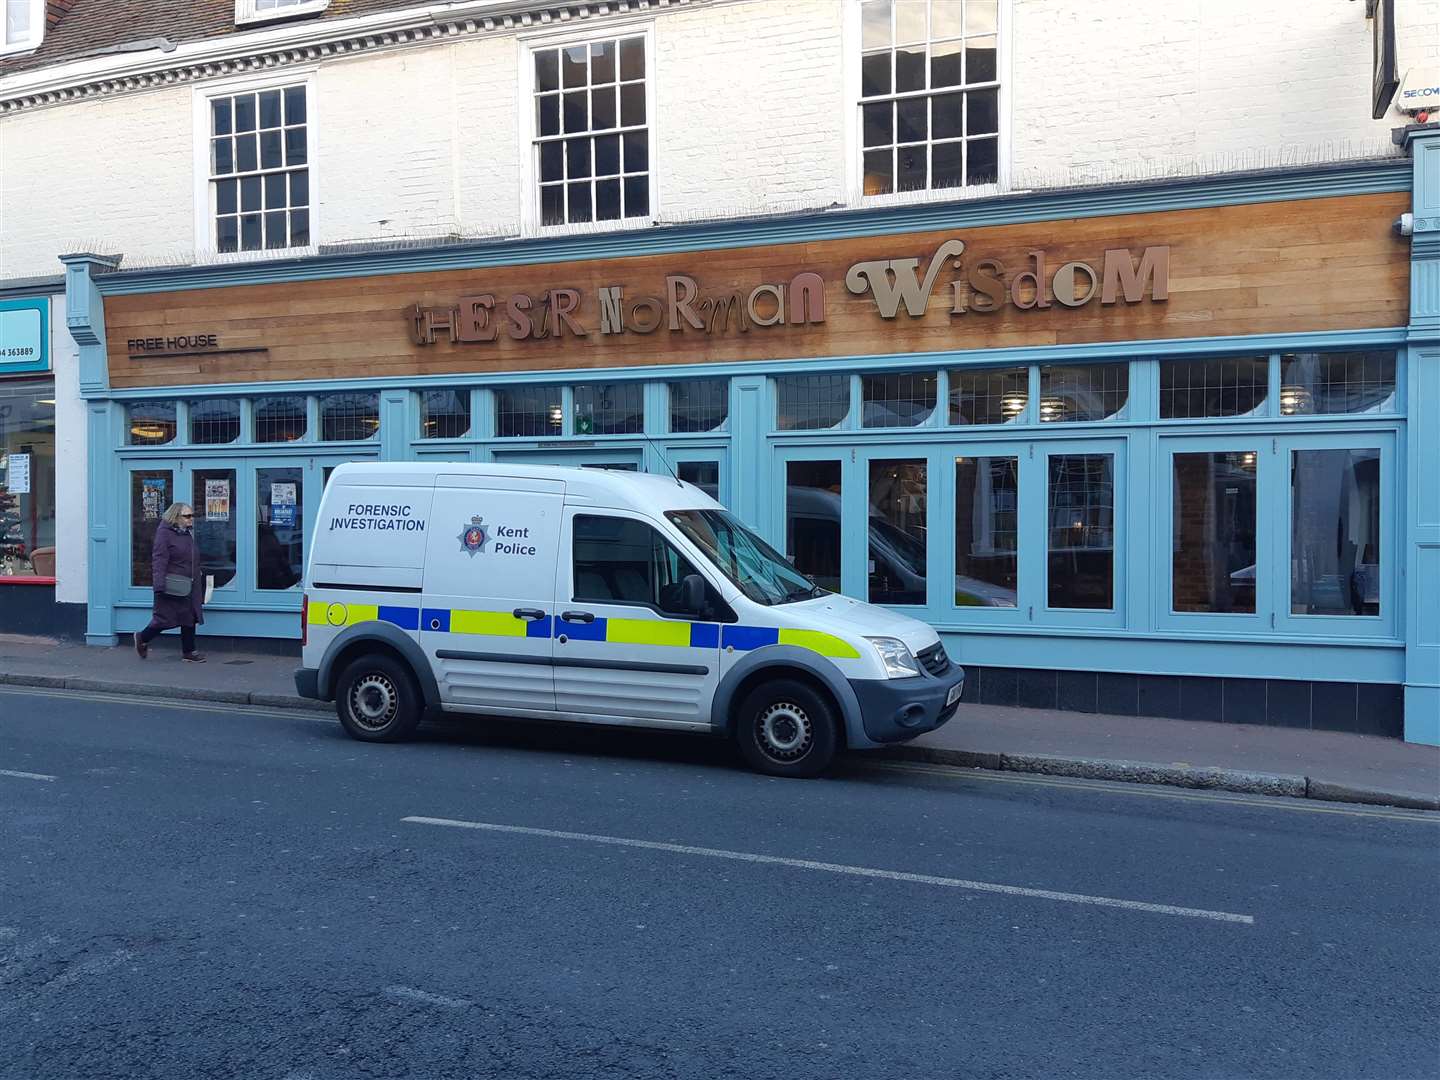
[(528, 411), (987, 503), (812, 520), (213, 498), (1335, 538), (280, 419), (905, 399), (994, 396), (623, 561), (898, 521), (1083, 392), (349, 417), (1351, 382), (811, 402), (27, 478), (444, 414), (610, 408), (1213, 562), (214, 421), (705, 475), (1081, 531), (279, 528), (699, 404), (152, 423), (151, 494), (1233, 386)]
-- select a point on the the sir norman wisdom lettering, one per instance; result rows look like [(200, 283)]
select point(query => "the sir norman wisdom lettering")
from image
[(971, 286)]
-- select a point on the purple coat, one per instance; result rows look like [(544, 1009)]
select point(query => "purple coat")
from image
[(176, 552)]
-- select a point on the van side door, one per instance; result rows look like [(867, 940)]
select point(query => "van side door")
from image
[(490, 591), (625, 647)]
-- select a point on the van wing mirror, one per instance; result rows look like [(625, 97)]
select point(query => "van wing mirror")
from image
[(692, 594)]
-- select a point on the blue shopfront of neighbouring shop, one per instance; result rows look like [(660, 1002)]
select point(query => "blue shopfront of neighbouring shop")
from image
[(1227, 528)]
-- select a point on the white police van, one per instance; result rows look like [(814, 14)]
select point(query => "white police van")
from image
[(599, 597)]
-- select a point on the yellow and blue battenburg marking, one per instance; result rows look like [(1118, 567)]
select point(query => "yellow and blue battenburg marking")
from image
[(666, 632)]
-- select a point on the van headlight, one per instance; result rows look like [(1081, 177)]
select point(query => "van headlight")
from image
[(895, 655)]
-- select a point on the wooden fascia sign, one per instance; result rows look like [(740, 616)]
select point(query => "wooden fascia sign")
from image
[(976, 287)]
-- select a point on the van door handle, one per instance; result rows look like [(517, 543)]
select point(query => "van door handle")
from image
[(528, 613), (577, 616)]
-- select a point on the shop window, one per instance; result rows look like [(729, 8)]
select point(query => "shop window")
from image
[(151, 493), (280, 419), (528, 411), (812, 520), (259, 185), (213, 499), (994, 396), (898, 525), (444, 414), (811, 402), (705, 475), (1335, 542), (592, 136), (279, 528), (1233, 386), (1327, 383), (905, 399), (349, 417), (929, 94), (987, 537), (1082, 531), (1083, 392), (214, 421), (1213, 556), (699, 404), (610, 409), (151, 423), (27, 479)]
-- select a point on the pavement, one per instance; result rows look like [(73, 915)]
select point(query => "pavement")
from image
[(1251, 759), (194, 889)]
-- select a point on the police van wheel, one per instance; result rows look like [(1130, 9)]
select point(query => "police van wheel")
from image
[(377, 699), (785, 728)]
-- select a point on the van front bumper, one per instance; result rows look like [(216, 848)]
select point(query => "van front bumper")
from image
[(893, 710)]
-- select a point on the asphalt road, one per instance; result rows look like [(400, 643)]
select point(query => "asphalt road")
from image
[(206, 891)]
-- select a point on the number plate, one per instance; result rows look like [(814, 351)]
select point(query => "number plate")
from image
[(954, 695)]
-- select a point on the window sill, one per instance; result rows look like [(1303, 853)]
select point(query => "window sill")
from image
[(927, 196), (588, 228)]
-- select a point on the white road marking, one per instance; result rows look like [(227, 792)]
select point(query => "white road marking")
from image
[(26, 775), (411, 994), (838, 868)]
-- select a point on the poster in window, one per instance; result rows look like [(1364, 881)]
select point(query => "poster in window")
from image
[(282, 504), (153, 496), (17, 475), (217, 500)]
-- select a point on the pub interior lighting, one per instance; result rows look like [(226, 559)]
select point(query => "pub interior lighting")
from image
[(1012, 405), (557, 415), (1295, 399), (1052, 408)]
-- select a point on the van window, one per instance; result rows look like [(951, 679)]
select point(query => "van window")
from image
[(623, 561)]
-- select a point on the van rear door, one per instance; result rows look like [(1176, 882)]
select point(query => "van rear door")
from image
[(490, 591)]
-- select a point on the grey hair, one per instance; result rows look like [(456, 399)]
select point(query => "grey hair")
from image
[(172, 516)]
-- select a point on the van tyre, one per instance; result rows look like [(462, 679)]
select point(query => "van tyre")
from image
[(787, 728), (377, 699)]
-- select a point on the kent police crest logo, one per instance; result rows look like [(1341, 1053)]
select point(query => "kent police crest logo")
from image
[(473, 536)]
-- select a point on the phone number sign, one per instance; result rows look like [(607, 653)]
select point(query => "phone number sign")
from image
[(24, 335)]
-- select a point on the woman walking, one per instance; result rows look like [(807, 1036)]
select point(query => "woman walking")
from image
[(179, 587)]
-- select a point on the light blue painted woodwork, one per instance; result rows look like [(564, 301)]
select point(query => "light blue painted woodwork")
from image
[(85, 317), (22, 353)]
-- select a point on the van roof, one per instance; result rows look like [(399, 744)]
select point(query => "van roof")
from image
[(601, 487)]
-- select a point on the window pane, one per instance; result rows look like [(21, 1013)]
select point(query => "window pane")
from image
[(577, 111), (996, 396), (946, 64), (220, 121), (152, 423), (875, 74), (270, 109), (905, 399), (151, 493), (250, 232), (299, 228), (295, 146), (602, 107), (295, 105), (607, 200), (808, 402), (1084, 392), (637, 151), (227, 234), (879, 172), (812, 520), (222, 156), (602, 62), (552, 162), (705, 475), (632, 104), (1082, 531), (552, 205), (547, 70), (577, 202), (299, 188), (573, 69), (609, 409), (910, 69), (947, 165), (549, 108), (987, 501), (980, 64), (623, 561), (245, 112), (945, 19), (270, 150), (349, 416), (1213, 561), (877, 124), (214, 421), (251, 192), (607, 155), (280, 419), (912, 120), (528, 411), (982, 161), (444, 414), (213, 499), (577, 158), (1351, 382), (246, 156), (1335, 553), (1235, 386), (910, 168), (699, 404), (637, 196), (875, 24), (275, 230), (982, 112), (947, 116), (910, 23), (898, 505), (981, 16), (632, 58), (275, 191), (226, 195), (279, 528)]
